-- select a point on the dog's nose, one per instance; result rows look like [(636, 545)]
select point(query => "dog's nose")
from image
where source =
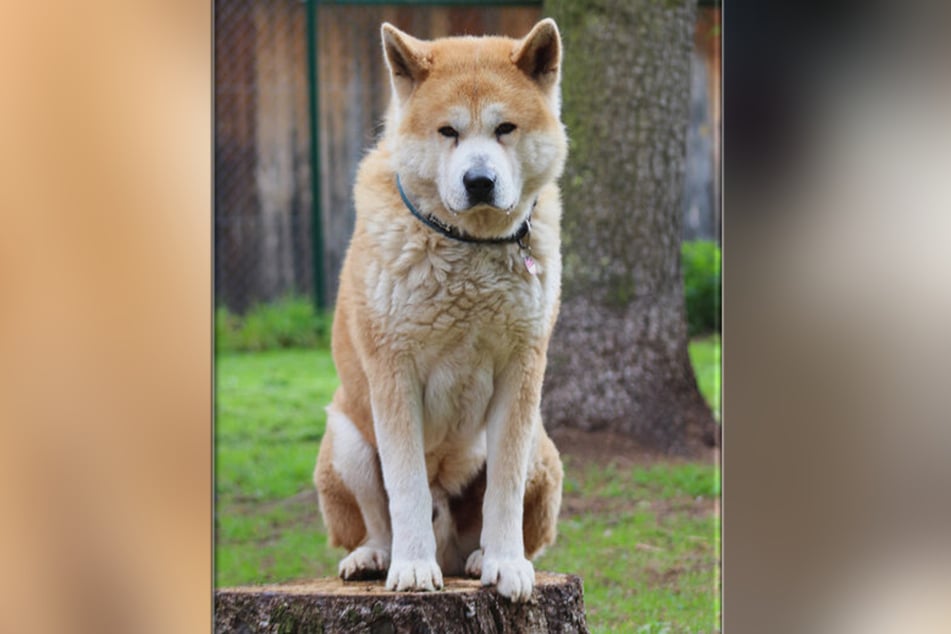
[(479, 182)]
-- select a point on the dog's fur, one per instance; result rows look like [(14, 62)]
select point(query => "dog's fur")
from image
[(435, 459)]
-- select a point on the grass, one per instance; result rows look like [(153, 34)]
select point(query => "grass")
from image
[(645, 540), (705, 358), (290, 322), (269, 422), (642, 571), (655, 482)]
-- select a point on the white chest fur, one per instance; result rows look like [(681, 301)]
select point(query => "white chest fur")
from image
[(459, 311)]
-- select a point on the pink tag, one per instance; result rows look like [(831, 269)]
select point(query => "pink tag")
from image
[(530, 265)]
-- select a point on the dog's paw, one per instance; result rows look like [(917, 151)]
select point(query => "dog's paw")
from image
[(513, 577), (364, 563), (474, 564), (414, 574)]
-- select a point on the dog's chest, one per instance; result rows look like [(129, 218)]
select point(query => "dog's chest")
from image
[(462, 295), (460, 313)]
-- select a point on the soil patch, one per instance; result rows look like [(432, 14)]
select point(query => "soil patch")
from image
[(581, 449), (604, 447)]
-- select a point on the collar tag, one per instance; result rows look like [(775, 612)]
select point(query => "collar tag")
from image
[(530, 264)]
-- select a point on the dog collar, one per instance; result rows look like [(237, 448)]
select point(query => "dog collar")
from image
[(519, 237)]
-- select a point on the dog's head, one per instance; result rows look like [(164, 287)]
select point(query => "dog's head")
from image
[(474, 122)]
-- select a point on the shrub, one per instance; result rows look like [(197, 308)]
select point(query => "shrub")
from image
[(700, 261), (227, 325), (291, 322)]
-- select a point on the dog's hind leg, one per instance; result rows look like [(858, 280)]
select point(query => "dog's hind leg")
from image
[(352, 498), (542, 497)]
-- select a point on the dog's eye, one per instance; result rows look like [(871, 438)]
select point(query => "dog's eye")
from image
[(504, 128), (449, 132)]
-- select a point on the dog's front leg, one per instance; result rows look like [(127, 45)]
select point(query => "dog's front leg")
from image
[(511, 426), (397, 419)]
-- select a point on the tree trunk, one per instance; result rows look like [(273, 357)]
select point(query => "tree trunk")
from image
[(331, 606), (618, 358)]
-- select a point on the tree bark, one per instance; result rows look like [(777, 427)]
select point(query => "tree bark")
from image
[(331, 606), (618, 358)]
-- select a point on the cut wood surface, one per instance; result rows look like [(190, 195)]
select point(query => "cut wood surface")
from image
[(330, 606)]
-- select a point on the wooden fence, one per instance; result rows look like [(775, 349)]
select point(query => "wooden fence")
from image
[(262, 130), (262, 151), (263, 188)]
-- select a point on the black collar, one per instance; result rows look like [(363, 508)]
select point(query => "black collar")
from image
[(451, 232)]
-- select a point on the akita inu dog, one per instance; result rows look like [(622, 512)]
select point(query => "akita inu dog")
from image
[(435, 460)]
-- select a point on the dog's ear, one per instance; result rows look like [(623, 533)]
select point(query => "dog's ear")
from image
[(538, 54), (407, 58)]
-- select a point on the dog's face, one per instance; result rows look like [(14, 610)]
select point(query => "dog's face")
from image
[(476, 118)]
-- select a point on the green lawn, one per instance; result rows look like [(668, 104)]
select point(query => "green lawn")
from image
[(642, 571), (705, 357), (269, 421), (645, 542)]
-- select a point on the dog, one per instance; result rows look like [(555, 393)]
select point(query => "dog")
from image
[(435, 461)]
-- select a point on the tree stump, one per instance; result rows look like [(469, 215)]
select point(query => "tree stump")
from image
[(332, 606)]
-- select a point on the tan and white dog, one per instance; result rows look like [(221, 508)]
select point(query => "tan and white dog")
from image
[(434, 459)]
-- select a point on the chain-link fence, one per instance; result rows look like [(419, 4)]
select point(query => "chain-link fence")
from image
[(262, 152)]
